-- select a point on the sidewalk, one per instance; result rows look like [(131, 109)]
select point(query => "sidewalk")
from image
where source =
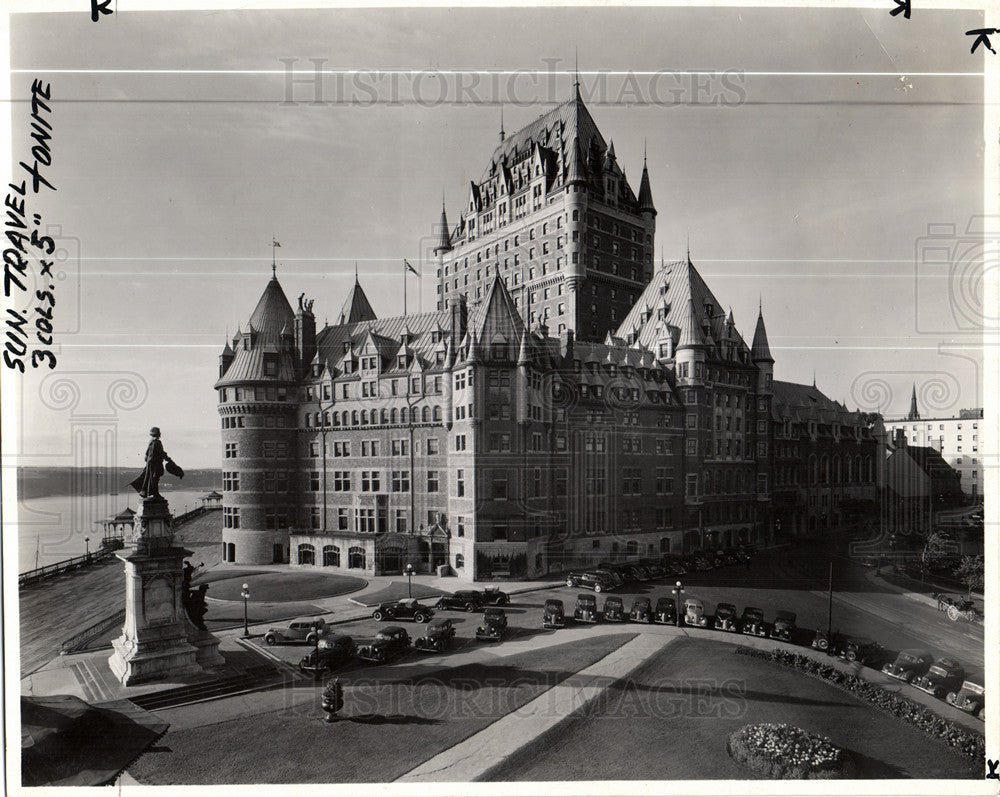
[(919, 597)]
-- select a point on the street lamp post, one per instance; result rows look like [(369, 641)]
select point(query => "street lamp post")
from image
[(678, 590), (409, 580), (86, 542), (246, 596)]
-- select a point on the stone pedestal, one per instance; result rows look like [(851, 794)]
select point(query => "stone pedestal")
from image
[(158, 641)]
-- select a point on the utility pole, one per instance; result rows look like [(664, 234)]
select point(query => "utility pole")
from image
[(829, 615)]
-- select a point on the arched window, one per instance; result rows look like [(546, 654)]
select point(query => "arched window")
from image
[(427, 414), (331, 556), (836, 469), (394, 416), (857, 469), (356, 557), (354, 417), (364, 417), (307, 554), (826, 469), (664, 545), (344, 418), (402, 415), (870, 474), (813, 469), (336, 419), (384, 416), (459, 561), (326, 418), (437, 412), (850, 469), (631, 548)]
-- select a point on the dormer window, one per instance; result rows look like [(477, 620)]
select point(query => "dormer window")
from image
[(270, 365), (347, 347)]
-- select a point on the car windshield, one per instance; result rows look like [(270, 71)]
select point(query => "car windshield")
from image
[(906, 658), (725, 611), (939, 671), (641, 603), (968, 686), (753, 614), (554, 605), (785, 617)]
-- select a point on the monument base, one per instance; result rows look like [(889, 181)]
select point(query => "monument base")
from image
[(137, 663), (207, 646)]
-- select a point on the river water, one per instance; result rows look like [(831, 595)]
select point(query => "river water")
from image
[(55, 526)]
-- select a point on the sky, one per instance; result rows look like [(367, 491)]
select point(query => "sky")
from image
[(824, 198)]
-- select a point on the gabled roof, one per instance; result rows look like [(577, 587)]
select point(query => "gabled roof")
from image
[(496, 314)]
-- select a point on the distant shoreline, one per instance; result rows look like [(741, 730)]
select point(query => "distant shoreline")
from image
[(56, 482)]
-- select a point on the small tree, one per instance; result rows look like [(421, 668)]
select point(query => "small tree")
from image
[(934, 552), (971, 572)]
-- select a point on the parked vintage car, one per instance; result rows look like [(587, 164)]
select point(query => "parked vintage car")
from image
[(726, 556), (738, 554), (494, 625), (613, 577), (613, 610), (725, 617), (784, 625), (750, 550), (694, 613), (656, 570), (862, 650), (405, 609), (301, 629), (617, 572), (331, 652), (822, 640), (438, 638), (588, 580), (494, 596), (945, 675), (642, 572), (465, 600), (674, 565), (553, 616), (752, 622), (666, 611), (971, 698), (909, 665), (703, 562), (642, 611), (586, 609), (390, 642)]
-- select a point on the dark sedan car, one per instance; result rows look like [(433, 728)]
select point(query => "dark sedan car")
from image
[(642, 611), (390, 642), (406, 609), (725, 617), (554, 615), (859, 649), (656, 570), (588, 580), (438, 637), (494, 625), (665, 612), (784, 625), (466, 600), (909, 665), (971, 698), (332, 652), (494, 596), (752, 622), (944, 675), (613, 577), (586, 609), (614, 610)]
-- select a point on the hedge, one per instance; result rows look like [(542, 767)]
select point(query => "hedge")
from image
[(969, 743), (786, 752)]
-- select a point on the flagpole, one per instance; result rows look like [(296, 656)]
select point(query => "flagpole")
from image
[(404, 288)]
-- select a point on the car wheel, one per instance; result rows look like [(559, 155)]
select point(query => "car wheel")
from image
[(311, 639), (951, 697), (823, 644), (851, 656), (270, 639), (569, 582), (420, 617), (469, 608), (503, 600), (598, 588), (378, 615)]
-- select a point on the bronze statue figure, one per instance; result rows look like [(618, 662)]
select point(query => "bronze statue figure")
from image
[(148, 482)]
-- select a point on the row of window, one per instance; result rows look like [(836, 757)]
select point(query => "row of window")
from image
[(383, 417)]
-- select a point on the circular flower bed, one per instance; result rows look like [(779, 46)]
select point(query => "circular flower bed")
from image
[(784, 751)]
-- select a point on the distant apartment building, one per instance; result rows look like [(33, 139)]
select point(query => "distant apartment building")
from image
[(957, 439)]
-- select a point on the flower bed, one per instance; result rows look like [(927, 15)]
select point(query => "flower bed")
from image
[(969, 743), (786, 752)]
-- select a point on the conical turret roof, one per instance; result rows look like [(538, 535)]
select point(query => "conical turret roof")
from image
[(357, 307), (272, 311), (691, 335), (759, 350), (645, 192), (444, 239)]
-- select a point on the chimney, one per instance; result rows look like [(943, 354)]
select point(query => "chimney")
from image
[(899, 438), (459, 319), (305, 333)]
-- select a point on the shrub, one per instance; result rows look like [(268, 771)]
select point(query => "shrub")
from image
[(969, 743), (786, 752)]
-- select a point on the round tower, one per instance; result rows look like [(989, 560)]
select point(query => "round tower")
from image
[(258, 404)]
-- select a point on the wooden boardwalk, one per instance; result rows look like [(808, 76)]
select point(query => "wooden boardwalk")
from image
[(55, 609)]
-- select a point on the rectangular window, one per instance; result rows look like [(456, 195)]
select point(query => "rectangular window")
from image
[(499, 486), (314, 517), (692, 485), (664, 481), (231, 451), (231, 481), (314, 481), (343, 518), (371, 481), (231, 517), (459, 482), (400, 447), (401, 481), (400, 521), (432, 445), (365, 520), (460, 526), (342, 481), (692, 448), (432, 481)]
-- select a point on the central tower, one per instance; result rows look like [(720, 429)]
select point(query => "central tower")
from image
[(554, 217)]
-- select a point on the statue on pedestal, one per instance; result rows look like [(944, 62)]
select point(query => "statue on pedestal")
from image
[(148, 482)]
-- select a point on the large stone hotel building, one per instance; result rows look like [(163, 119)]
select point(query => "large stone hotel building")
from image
[(567, 402)]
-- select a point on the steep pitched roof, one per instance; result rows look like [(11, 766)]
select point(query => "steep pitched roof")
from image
[(760, 351), (496, 314), (272, 312), (645, 191), (357, 307), (444, 238)]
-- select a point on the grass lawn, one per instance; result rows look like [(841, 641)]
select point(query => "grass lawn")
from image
[(671, 719), (285, 586), (388, 726), (396, 590)]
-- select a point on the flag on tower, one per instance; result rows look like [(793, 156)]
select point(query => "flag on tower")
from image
[(274, 243), (411, 268)]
